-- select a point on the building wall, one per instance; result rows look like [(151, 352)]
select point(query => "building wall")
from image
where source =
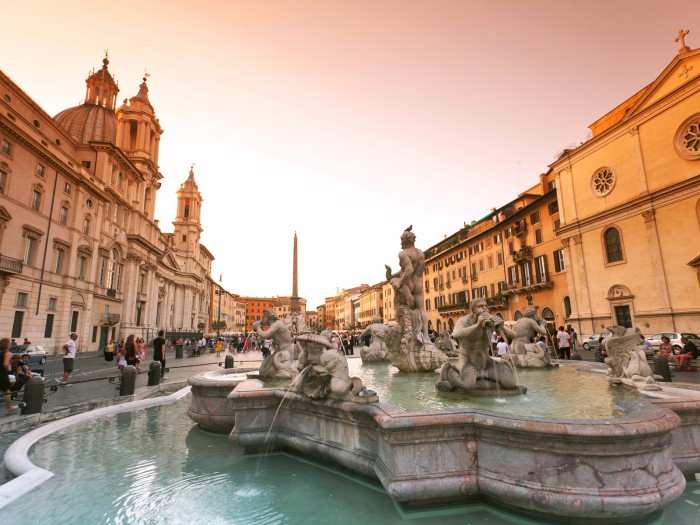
[(653, 204)]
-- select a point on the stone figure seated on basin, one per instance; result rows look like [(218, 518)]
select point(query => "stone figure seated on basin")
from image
[(377, 350), (523, 353), (475, 370), (279, 363), (627, 358), (324, 370)]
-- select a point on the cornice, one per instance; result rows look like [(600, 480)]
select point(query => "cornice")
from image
[(644, 205)]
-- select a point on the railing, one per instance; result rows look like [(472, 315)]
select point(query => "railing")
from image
[(10, 264), (110, 318), (111, 292)]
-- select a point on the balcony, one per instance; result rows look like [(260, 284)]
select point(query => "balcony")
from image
[(110, 319), (529, 287), (111, 292), (497, 302), (523, 254), (9, 265), (454, 308)]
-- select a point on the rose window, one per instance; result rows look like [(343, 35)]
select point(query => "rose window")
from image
[(602, 182), (688, 139)]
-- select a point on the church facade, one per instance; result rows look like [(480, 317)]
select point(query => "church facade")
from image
[(80, 250), (630, 209)]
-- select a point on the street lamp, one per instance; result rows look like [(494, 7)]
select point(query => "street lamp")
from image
[(218, 321)]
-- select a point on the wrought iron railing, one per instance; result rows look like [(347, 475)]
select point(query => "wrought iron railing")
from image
[(10, 264)]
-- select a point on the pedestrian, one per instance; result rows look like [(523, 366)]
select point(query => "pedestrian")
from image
[(140, 352), (69, 356), (574, 340), (130, 351), (600, 352), (159, 351), (5, 356), (564, 343), (501, 347)]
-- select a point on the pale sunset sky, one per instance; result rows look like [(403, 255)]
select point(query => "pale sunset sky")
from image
[(347, 120)]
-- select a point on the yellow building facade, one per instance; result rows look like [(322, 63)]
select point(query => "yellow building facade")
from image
[(630, 209)]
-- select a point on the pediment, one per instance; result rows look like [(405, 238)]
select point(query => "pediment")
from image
[(170, 261), (683, 70), (4, 214)]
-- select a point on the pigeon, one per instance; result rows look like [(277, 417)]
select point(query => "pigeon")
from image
[(409, 228)]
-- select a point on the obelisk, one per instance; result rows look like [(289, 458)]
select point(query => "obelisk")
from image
[(294, 306)]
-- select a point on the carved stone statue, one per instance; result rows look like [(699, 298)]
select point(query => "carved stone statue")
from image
[(377, 350), (476, 371), (445, 344), (627, 357), (412, 351), (279, 363), (324, 371), (525, 354)]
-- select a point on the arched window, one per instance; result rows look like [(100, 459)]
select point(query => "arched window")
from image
[(567, 307), (451, 324), (613, 245), (518, 314), (439, 326), (547, 313)]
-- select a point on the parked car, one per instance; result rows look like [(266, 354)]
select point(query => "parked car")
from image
[(591, 342), (675, 338), (37, 354)]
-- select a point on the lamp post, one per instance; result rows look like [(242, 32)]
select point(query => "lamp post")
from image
[(218, 321)]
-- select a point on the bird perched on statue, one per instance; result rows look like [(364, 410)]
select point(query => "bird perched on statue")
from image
[(409, 228)]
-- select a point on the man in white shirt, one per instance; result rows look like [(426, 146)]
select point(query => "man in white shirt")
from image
[(69, 356), (564, 340)]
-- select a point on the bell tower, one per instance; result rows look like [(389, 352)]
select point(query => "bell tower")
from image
[(188, 227), (101, 89), (138, 136)]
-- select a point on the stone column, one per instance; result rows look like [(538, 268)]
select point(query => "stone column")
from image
[(639, 161), (657, 263)]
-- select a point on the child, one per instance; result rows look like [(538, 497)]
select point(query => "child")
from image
[(121, 361)]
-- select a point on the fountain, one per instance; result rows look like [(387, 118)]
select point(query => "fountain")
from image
[(623, 467)]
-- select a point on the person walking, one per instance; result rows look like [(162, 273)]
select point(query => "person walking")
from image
[(159, 351), (69, 351), (5, 356), (564, 340)]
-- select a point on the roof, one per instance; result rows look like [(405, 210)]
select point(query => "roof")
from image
[(89, 122)]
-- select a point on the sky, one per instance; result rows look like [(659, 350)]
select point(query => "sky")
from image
[(347, 120)]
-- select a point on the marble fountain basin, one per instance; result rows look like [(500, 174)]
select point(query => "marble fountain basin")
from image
[(601, 470)]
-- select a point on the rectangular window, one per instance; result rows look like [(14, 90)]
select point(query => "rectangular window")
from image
[(48, 329), (94, 334), (559, 265), (553, 207), (502, 285), (427, 285), (66, 188), (30, 251), (526, 273), (513, 275), (53, 301), (17, 324), (535, 217), (22, 298), (473, 270), (483, 291), (60, 252), (489, 262), (36, 200), (556, 223), (184, 238), (103, 264), (509, 232), (427, 304), (541, 269), (6, 147), (86, 163), (481, 265), (3, 181), (41, 170), (475, 293), (511, 248), (538, 236), (499, 259), (497, 238), (82, 266), (63, 216), (119, 277), (116, 213), (86, 226), (74, 321)]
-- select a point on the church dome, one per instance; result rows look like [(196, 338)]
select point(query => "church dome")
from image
[(89, 122), (95, 119)]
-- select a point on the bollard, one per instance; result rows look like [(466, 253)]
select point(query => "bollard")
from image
[(154, 373), (228, 362), (128, 384), (33, 395), (661, 367), (178, 351)]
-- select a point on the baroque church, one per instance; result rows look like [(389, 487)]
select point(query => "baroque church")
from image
[(80, 250)]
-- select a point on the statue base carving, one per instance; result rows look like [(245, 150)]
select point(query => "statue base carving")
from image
[(534, 357), (374, 353)]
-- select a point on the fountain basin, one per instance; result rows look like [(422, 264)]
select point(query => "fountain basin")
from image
[(210, 406), (593, 471)]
